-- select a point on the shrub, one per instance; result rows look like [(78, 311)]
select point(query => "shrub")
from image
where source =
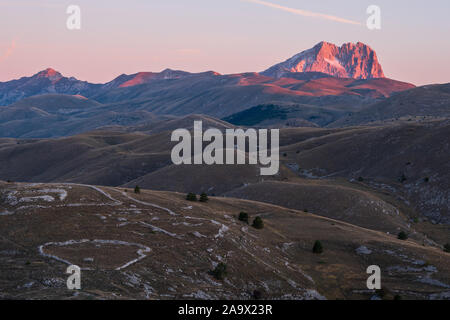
[(447, 247), (137, 189), (360, 179), (243, 216), (387, 294), (257, 295), (258, 223), (402, 178), (191, 196), (426, 179), (381, 293), (204, 197), (220, 271), (402, 235), (317, 248)]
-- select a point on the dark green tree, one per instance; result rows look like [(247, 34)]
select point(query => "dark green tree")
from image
[(447, 247), (191, 196), (243, 216), (258, 223), (402, 235), (204, 197), (137, 189), (317, 248)]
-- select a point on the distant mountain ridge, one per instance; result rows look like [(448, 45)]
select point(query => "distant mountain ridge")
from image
[(50, 81), (49, 104), (354, 61), (357, 61)]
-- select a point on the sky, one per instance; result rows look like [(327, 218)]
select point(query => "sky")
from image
[(226, 36)]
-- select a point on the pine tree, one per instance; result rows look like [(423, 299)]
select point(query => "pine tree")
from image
[(402, 235), (243, 216), (204, 197), (137, 189), (191, 196), (258, 223), (318, 248), (447, 247)]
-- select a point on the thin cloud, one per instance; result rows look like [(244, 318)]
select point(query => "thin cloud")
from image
[(304, 12), (8, 51)]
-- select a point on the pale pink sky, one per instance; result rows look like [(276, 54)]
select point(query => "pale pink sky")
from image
[(227, 36)]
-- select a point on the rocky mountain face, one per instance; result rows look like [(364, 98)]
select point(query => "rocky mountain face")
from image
[(357, 61)]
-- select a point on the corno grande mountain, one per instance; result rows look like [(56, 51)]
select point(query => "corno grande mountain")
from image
[(357, 61)]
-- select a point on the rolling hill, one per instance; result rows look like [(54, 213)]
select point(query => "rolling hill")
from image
[(407, 161), (315, 102), (426, 102), (157, 245)]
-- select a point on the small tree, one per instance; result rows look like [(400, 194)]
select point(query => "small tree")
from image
[(447, 247), (137, 189), (402, 235), (243, 216), (317, 248), (220, 271), (204, 197), (258, 223), (191, 196)]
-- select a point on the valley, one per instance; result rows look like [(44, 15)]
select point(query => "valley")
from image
[(87, 177)]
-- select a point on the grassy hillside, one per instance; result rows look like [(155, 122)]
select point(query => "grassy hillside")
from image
[(157, 245)]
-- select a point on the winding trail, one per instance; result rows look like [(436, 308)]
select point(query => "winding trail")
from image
[(141, 252), (149, 204)]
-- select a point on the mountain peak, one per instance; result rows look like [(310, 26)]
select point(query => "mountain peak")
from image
[(49, 73), (357, 61)]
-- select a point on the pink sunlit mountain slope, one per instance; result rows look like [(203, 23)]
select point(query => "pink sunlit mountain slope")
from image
[(357, 61)]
